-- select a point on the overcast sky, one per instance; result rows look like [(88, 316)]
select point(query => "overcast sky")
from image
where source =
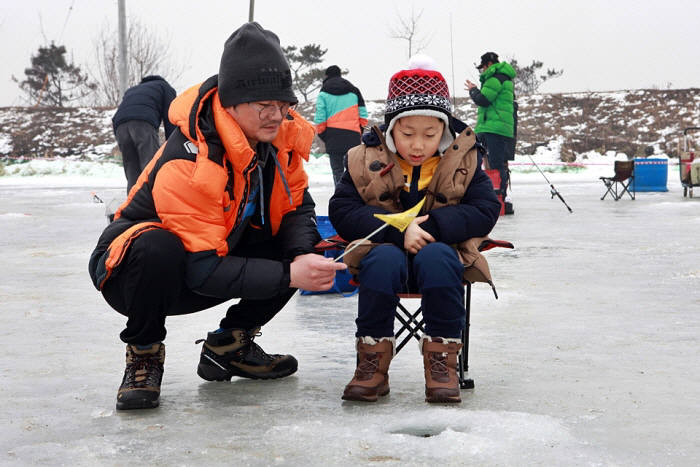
[(600, 45)]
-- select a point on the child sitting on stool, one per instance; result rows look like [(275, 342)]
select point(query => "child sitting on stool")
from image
[(423, 152)]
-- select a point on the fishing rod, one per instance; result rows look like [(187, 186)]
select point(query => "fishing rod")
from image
[(553, 190)]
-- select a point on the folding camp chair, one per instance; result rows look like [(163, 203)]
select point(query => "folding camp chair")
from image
[(618, 184), (412, 322)]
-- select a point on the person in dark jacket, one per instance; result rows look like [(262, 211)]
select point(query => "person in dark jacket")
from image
[(222, 211), (340, 118), (137, 120), (424, 153), (496, 115)]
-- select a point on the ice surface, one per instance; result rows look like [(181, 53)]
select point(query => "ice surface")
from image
[(589, 357)]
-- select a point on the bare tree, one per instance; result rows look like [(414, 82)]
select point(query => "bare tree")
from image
[(149, 54), (408, 30)]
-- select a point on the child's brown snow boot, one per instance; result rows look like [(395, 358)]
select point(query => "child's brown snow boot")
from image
[(440, 356), (371, 378)]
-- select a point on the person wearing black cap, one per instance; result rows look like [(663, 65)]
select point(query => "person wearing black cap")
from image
[(222, 211), (136, 123), (340, 117), (495, 124)]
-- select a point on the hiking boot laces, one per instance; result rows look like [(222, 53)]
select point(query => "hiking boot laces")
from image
[(143, 371), (248, 344), (249, 340)]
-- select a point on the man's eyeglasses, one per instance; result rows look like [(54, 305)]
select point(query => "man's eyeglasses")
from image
[(268, 111)]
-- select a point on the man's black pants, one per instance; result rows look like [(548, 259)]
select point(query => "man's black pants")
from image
[(498, 148), (138, 142), (149, 285), (338, 164)]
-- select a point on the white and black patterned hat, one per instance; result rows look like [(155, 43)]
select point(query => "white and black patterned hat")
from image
[(418, 91)]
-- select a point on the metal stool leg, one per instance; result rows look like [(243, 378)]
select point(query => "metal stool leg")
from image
[(464, 382)]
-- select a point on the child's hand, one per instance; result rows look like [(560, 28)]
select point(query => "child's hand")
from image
[(416, 238)]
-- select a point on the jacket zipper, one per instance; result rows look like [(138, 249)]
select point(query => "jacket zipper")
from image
[(246, 187)]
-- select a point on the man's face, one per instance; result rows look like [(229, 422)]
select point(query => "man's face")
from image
[(260, 121), (482, 68)]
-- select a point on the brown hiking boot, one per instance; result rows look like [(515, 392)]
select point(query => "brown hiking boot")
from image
[(371, 378), (440, 364), (140, 387), (232, 352)]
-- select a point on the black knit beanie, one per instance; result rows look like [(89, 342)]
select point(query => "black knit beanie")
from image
[(333, 70), (253, 68)]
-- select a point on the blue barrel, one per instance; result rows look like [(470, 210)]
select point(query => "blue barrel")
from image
[(325, 228), (650, 175)]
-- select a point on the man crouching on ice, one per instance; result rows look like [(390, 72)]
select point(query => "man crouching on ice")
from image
[(221, 212)]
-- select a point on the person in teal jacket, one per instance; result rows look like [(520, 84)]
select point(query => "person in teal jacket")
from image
[(340, 118), (495, 120)]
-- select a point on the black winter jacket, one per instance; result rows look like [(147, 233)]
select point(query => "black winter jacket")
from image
[(474, 216), (148, 101)]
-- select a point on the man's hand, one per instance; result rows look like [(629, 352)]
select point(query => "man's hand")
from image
[(313, 272), (416, 238), (468, 85)]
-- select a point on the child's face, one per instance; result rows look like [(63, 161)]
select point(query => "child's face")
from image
[(417, 137)]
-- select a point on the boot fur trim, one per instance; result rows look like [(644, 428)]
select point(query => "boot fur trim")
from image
[(446, 340), (374, 341)]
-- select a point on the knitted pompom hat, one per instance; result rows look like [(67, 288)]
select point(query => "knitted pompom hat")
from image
[(419, 90)]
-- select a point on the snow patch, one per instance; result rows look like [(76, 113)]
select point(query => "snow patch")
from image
[(64, 166), (5, 144), (433, 434)]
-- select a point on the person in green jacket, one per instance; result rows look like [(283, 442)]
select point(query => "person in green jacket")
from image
[(495, 120)]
